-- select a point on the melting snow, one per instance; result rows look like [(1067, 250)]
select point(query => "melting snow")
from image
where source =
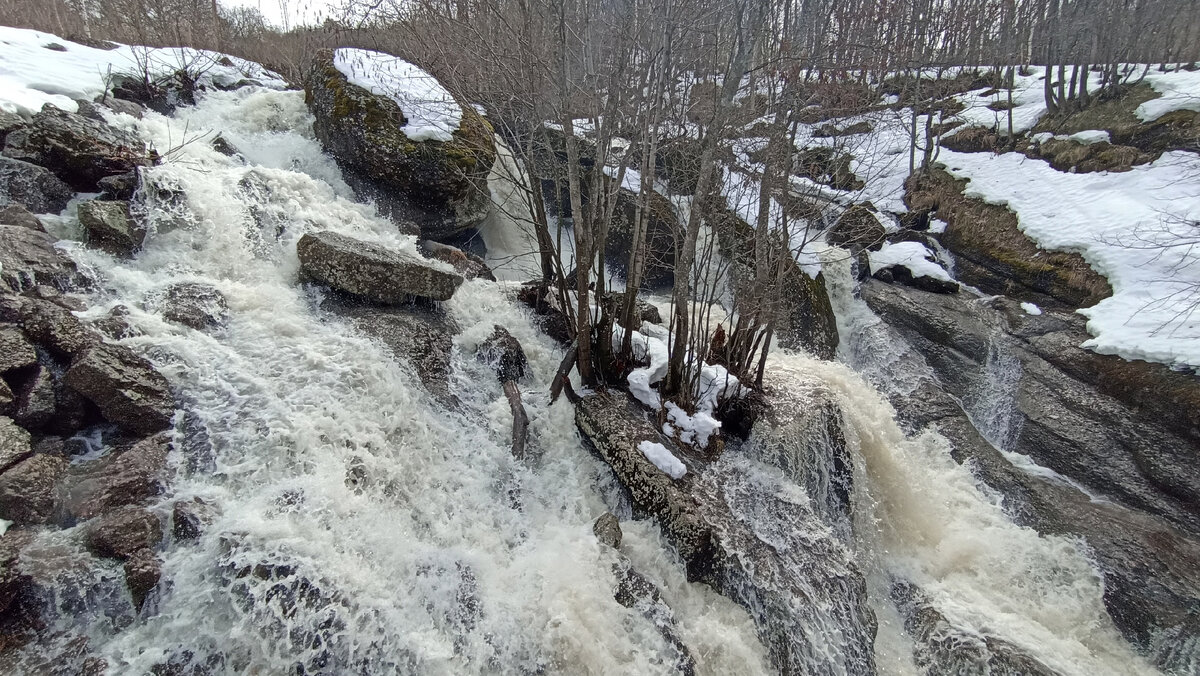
[(31, 75), (1123, 225), (1031, 309), (912, 255), (1180, 91), (432, 112), (663, 459)]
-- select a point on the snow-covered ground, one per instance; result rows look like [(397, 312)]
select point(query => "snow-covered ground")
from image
[(432, 112), (1128, 226), (40, 68)]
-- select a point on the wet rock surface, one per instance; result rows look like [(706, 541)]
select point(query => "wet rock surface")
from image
[(80, 151), (28, 257), (129, 476), (111, 227), (440, 185), (200, 306), (465, 263), (735, 528), (123, 532), (1095, 418), (373, 272), (28, 489), (19, 215), (31, 186), (125, 387), (1151, 567)]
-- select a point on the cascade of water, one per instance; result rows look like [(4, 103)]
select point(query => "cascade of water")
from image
[(363, 526)]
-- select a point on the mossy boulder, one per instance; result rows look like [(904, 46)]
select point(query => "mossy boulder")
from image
[(1072, 156), (440, 185), (993, 254)]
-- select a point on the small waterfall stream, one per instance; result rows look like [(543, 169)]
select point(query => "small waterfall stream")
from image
[(365, 526)]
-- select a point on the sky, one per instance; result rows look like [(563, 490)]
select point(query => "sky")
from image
[(296, 11)]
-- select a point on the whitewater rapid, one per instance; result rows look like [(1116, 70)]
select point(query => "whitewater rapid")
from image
[(363, 526)]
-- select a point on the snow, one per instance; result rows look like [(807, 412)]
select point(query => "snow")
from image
[(715, 384), (663, 459), (1180, 91), (1123, 225), (1090, 136), (937, 226), (4, 526), (1031, 309), (32, 75), (432, 112), (912, 255)]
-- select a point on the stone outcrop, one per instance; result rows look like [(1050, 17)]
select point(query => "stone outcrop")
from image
[(440, 185), (125, 387), (734, 530), (111, 227), (372, 271), (1109, 424), (80, 151), (28, 258), (33, 187), (992, 254)]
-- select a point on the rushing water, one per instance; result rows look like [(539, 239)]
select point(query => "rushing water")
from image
[(366, 527)]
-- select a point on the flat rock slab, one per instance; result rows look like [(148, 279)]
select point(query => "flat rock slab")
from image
[(372, 271)]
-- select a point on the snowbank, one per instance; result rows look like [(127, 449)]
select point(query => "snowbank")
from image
[(1180, 91), (1123, 225), (32, 74), (432, 112)]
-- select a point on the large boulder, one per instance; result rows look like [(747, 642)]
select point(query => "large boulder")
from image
[(48, 324), (15, 350), (34, 187), (128, 477), (28, 258), (111, 227), (735, 528), (125, 387), (440, 184), (856, 229), (123, 532), (372, 271), (28, 490), (80, 151)]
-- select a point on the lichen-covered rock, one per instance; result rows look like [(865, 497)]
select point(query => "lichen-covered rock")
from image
[(125, 387), (122, 532), (28, 258), (194, 304), (28, 489), (14, 444), (33, 187), (18, 215), (373, 272), (856, 229), (48, 324), (110, 226), (15, 350), (607, 529), (465, 263), (441, 185), (128, 477), (80, 151)]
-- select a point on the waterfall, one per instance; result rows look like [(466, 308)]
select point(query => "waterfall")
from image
[(362, 526)]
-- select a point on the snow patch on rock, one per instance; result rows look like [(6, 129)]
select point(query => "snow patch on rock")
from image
[(432, 112)]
